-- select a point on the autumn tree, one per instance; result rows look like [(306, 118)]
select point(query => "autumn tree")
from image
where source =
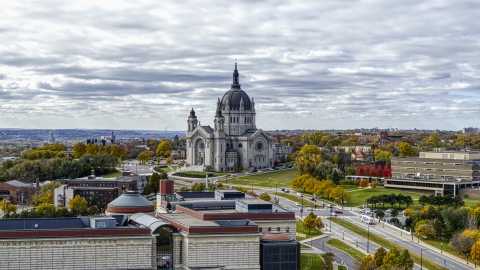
[(367, 263), (309, 222), (407, 150), (79, 150), (373, 184), (379, 255), (145, 156), (7, 207), (324, 188), (425, 228), (384, 156), (363, 183), (405, 262), (265, 197), (153, 184), (390, 260), (304, 182), (319, 223), (78, 204), (475, 250), (46, 193), (45, 207), (315, 138), (169, 160), (341, 194), (164, 149)]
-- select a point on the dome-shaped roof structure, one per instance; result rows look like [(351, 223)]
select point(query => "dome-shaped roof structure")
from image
[(275, 237), (231, 99), (130, 202)]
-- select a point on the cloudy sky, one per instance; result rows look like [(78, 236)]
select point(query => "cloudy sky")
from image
[(308, 64)]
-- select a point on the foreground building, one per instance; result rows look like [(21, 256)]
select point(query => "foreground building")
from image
[(76, 243), (439, 173), (234, 143)]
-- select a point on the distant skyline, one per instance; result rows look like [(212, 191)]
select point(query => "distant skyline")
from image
[(308, 65)]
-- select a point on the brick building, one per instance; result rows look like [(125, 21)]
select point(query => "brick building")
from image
[(15, 191)]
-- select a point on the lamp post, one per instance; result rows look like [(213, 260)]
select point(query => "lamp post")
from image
[(301, 208), (467, 257), (206, 178), (441, 247), (421, 258), (270, 183), (276, 187), (330, 224), (368, 241), (343, 235)]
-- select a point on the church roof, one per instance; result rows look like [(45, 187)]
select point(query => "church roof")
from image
[(232, 98)]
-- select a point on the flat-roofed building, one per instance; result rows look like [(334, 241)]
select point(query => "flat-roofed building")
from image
[(440, 172)]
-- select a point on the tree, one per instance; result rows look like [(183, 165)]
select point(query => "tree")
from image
[(335, 177), (341, 194), (7, 207), (169, 160), (391, 259), (407, 150), (164, 148), (79, 150), (78, 204), (145, 156), (394, 212), (319, 223), (405, 262), (46, 193), (367, 263), (423, 200), (324, 170), (153, 184), (475, 250), (310, 149), (426, 229), (379, 214), (363, 183), (309, 222), (45, 207), (302, 181), (265, 197), (373, 184), (463, 243), (383, 156), (379, 255)]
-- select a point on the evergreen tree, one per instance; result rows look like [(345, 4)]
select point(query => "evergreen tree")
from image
[(404, 261)]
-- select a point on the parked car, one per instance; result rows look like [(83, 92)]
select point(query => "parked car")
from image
[(247, 173), (299, 194), (297, 204), (338, 211), (329, 205), (283, 189), (310, 208), (389, 210), (287, 191), (260, 171)]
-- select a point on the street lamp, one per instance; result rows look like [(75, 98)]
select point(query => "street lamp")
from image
[(467, 258), (421, 258), (343, 235), (368, 241), (270, 182), (301, 208), (441, 247), (206, 177), (330, 224)]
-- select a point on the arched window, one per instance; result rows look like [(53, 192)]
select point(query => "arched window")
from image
[(228, 145), (237, 119), (240, 145), (230, 119)]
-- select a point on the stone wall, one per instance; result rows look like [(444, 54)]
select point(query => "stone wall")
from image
[(470, 193), (124, 252)]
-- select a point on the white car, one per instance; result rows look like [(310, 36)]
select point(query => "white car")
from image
[(260, 171), (389, 210), (310, 208), (297, 204), (247, 173), (333, 214)]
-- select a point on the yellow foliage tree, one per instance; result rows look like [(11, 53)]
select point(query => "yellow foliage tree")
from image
[(325, 188), (319, 223), (46, 193), (307, 163), (265, 197), (44, 207), (7, 207), (78, 203), (475, 250), (341, 194), (373, 184), (302, 181), (367, 263), (169, 160)]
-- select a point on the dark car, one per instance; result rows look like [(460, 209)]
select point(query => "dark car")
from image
[(338, 211)]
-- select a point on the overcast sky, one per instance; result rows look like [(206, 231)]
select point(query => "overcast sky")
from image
[(308, 64)]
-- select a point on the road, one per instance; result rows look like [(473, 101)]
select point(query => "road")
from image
[(340, 256), (354, 218)]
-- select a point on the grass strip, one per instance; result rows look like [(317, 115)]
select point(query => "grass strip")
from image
[(311, 262), (356, 254), (385, 243), (294, 198), (309, 234)]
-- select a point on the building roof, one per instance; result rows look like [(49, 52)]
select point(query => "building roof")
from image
[(275, 236), (231, 99), (149, 221), (40, 224), (18, 183), (130, 201)]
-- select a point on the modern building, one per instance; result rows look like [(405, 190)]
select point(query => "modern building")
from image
[(129, 203), (76, 243), (234, 143), (473, 130), (441, 172)]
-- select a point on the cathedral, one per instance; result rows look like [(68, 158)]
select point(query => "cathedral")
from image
[(234, 143)]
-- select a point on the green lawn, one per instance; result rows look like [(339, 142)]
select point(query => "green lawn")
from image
[(280, 178), (310, 234), (112, 175), (349, 187), (311, 262), (346, 248), (358, 197), (445, 247), (165, 169), (384, 243), (471, 202)]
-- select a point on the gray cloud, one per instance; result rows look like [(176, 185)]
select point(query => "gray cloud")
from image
[(309, 64)]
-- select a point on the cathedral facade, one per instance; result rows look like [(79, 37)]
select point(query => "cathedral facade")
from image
[(233, 143)]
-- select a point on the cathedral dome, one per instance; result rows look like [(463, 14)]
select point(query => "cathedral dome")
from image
[(231, 99)]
